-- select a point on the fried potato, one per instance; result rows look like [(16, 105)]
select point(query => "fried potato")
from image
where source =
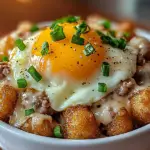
[(39, 124), (121, 123), (80, 123), (8, 98), (140, 106), (6, 45)]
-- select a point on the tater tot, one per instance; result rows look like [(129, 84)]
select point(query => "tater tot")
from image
[(121, 123), (140, 106), (8, 98), (39, 124), (80, 123)]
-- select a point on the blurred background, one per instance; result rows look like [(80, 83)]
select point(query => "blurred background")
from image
[(14, 11)]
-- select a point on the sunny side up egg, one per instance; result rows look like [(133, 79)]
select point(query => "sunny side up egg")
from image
[(69, 77)]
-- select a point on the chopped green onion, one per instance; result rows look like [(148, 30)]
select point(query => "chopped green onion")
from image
[(22, 83), (105, 69), (34, 28), (57, 34), (5, 58), (88, 49), (106, 24), (114, 42), (82, 28), (45, 48), (32, 71), (68, 19), (126, 34), (100, 33), (29, 111), (112, 33), (57, 132), (102, 87), (122, 43), (77, 40), (109, 40), (71, 19), (19, 43)]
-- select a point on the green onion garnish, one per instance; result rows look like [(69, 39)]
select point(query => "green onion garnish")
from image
[(57, 132), (29, 111), (105, 69), (45, 48), (19, 43), (102, 87), (34, 28), (82, 28), (106, 24), (122, 43), (5, 58), (32, 71), (100, 33), (68, 19), (22, 83), (88, 49), (126, 34), (57, 34), (77, 40), (114, 42), (112, 33)]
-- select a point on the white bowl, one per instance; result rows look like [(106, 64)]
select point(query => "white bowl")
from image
[(15, 139)]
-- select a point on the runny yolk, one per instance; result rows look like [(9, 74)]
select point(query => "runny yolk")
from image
[(67, 57)]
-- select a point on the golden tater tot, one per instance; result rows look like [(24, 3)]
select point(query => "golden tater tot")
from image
[(39, 124), (6, 45), (80, 123), (140, 106), (121, 123), (8, 98)]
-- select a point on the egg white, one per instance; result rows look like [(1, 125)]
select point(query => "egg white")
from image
[(62, 90)]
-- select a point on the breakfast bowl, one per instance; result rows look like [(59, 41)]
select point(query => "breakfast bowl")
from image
[(84, 81), (14, 139)]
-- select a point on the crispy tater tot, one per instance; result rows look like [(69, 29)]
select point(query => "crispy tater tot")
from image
[(140, 106), (80, 123), (8, 98), (121, 123), (39, 124)]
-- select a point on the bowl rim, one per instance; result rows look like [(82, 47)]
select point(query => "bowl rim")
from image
[(69, 142)]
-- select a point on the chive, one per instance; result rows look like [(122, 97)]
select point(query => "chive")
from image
[(32, 71), (102, 87), (19, 43), (105, 69), (71, 19), (5, 58), (68, 19), (57, 132), (106, 24), (112, 33), (88, 49), (108, 40), (100, 33), (22, 83), (114, 42), (29, 111), (77, 40), (126, 34), (45, 48), (34, 28), (122, 43), (82, 28), (57, 34)]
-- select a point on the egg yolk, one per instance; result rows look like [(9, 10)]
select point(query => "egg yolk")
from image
[(68, 57)]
